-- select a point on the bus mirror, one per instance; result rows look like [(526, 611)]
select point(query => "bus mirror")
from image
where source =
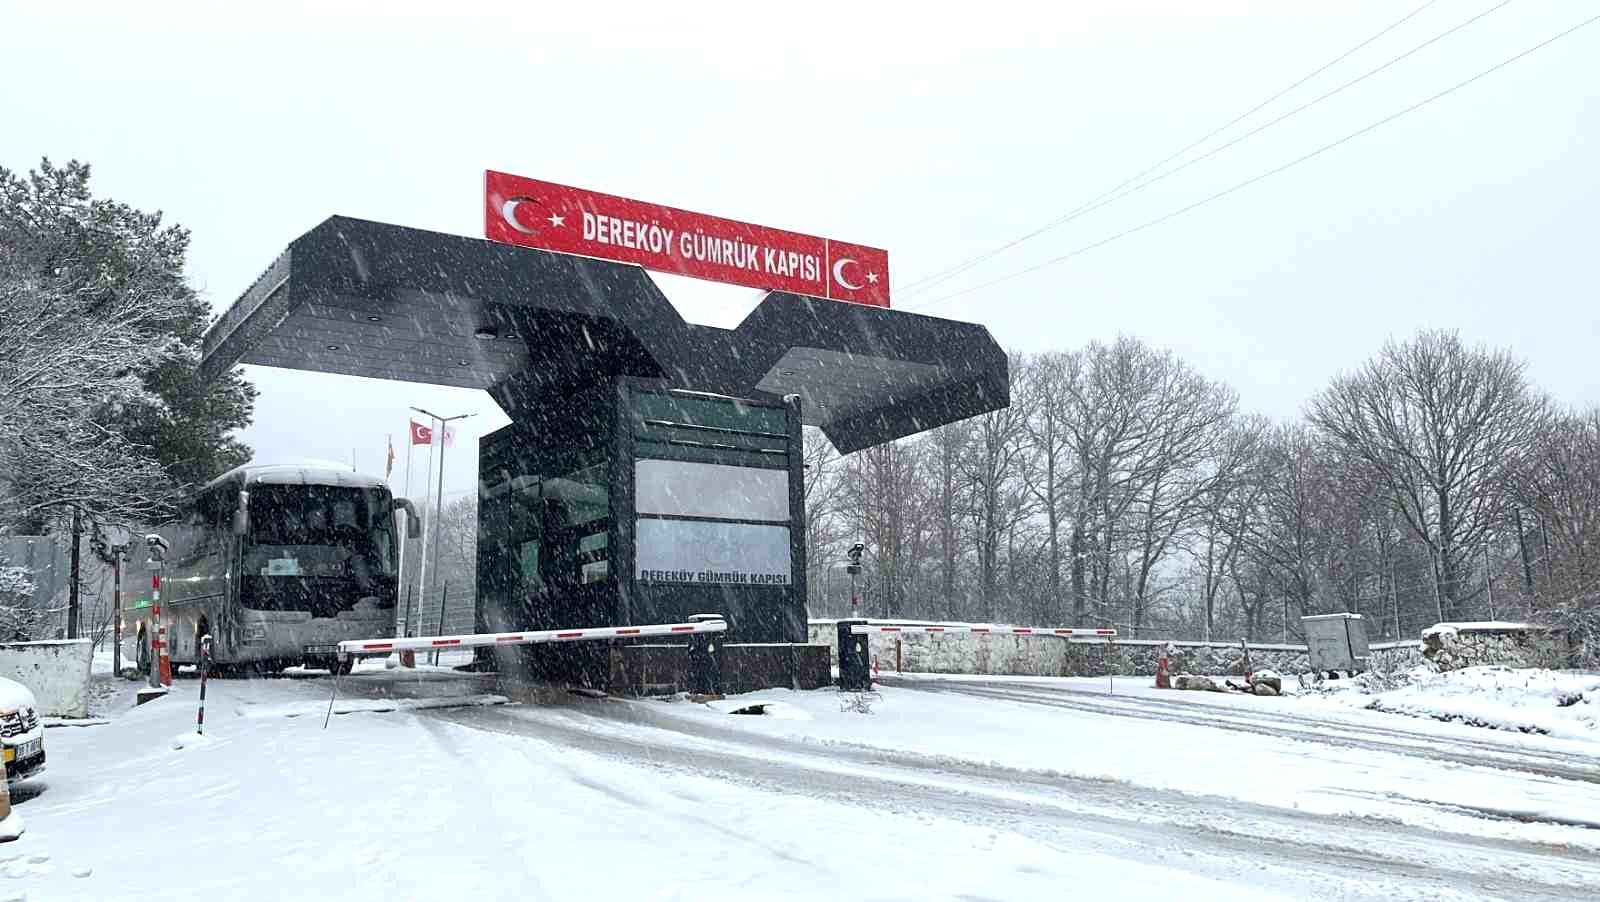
[(241, 515), (413, 522)]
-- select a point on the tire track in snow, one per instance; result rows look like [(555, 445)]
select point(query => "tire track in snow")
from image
[(1291, 725), (1345, 857)]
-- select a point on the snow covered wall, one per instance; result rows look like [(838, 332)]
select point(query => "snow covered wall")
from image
[(57, 672), (1051, 656)]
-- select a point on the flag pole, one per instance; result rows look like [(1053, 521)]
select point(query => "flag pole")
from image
[(427, 526), (399, 530)]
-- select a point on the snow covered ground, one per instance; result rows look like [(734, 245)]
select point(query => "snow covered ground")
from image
[(430, 786), (1500, 698)]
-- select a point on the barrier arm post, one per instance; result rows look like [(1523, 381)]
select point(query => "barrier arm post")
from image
[(205, 672), (1111, 669), (338, 666)]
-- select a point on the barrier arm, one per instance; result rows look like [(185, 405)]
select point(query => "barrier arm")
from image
[(530, 637), (707, 624), (981, 630), (976, 629)]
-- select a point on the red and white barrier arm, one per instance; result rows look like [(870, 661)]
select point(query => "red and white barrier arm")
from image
[(980, 630), (481, 640)]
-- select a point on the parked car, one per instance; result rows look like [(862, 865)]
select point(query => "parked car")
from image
[(10, 821), (21, 734)]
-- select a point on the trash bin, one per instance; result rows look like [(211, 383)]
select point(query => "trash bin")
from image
[(855, 663)]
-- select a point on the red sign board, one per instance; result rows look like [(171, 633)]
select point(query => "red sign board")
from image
[(569, 220)]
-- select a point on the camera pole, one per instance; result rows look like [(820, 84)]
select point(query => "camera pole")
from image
[(155, 625), (855, 570), (160, 668), (117, 551)]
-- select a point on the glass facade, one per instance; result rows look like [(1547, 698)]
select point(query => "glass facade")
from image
[(715, 512), (628, 504)]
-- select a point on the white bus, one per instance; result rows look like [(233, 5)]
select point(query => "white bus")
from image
[(278, 564)]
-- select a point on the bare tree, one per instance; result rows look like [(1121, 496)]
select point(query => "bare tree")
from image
[(1287, 538), (1051, 469), (946, 447), (1562, 486), (1104, 429), (1446, 427), (1227, 504), (1185, 419), (991, 470), (823, 496)]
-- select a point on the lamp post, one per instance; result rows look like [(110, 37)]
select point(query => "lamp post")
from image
[(117, 553), (440, 425), (854, 569)]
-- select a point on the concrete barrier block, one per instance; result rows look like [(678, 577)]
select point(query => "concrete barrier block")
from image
[(56, 671)]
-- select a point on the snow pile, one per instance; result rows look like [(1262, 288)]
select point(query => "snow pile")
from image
[(1502, 698)]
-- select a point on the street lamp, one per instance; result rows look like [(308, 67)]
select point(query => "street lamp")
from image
[(854, 569), (117, 538), (440, 425)]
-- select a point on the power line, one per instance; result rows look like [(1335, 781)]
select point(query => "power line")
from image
[(1265, 175), (929, 281), (1299, 109)]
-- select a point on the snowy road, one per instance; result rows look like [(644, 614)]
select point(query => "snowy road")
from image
[(425, 783), (1296, 853), (1382, 732)]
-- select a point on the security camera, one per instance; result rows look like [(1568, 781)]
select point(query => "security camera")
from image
[(158, 547)]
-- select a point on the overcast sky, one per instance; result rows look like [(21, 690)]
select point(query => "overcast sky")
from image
[(937, 136)]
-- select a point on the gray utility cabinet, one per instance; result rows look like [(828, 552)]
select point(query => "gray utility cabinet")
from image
[(1336, 642)]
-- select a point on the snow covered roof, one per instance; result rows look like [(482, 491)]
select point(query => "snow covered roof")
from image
[(298, 474)]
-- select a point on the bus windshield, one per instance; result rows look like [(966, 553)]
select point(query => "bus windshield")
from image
[(320, 531)]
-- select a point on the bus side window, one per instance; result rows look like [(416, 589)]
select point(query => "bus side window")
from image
[(202, 528), (181, 533), (223, 504)]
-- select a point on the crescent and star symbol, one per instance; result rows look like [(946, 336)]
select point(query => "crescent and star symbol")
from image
[(508, 211), (838, 275)]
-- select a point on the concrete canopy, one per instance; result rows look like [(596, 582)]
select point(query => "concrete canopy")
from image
[(387, 302)]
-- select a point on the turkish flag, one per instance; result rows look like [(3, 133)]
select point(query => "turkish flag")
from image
[(858, 273), (420, 434), (388, 467)]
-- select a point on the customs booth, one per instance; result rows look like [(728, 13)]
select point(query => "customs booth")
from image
[(653, 468)]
